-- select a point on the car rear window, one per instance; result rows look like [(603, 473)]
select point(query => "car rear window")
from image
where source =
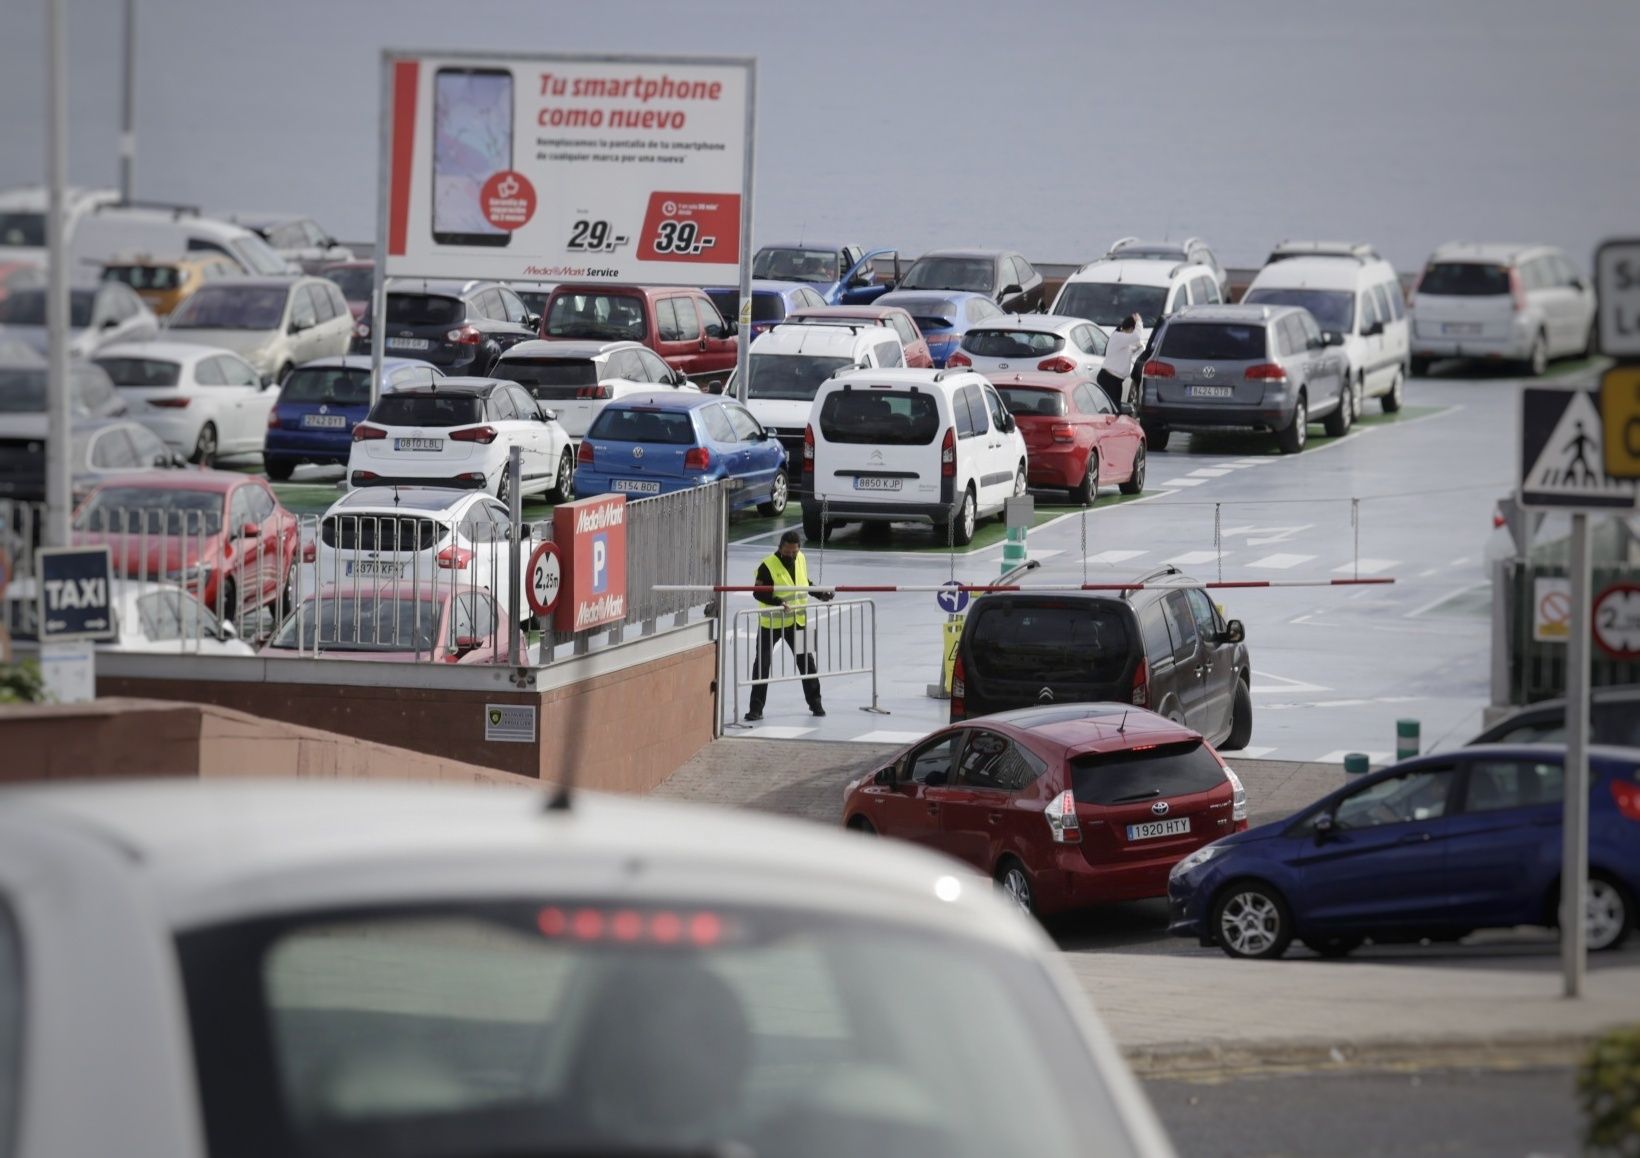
[(1070, 641), (355, 281), (1012, 343), (22, 390), (1107, 303), (151, 511), (27, 307), (610, 317), (1021, 400), (426, 410), (1332, 309), (1464, 279), (795, 377), (141, 371), (362, 621), (425, 310), (549, 378), (330, 384), (628, 424), (1231, 343), (880, 417), (143, 277), (232, 307), (1128, 777)]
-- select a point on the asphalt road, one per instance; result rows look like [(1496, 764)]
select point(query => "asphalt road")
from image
[(1455, 1114)]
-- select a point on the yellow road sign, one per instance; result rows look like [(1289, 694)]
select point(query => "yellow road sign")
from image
[(1620, 420)]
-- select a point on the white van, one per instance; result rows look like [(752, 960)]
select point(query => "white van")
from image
[(23, 219), (787, 364), (1358, 298), (1108, 290), (109, 230), (909, 446)]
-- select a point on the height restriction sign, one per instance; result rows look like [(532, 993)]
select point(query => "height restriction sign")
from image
[(1562, 452)]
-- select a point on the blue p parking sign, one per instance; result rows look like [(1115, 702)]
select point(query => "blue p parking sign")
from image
[(76, 600)]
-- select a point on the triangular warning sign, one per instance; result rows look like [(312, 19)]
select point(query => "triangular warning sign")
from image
[(1573, 462)]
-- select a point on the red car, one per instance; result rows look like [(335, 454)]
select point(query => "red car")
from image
[(1065, 806), (401, 622), (1075, 437), (679, 323), (917, 353), (222, 535)]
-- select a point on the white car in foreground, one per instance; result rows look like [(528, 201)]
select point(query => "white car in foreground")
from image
[(370, 968), (204, 401), (458, 433), (577, 379), (1047, 342)]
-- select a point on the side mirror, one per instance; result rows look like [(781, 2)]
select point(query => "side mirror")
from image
[(1331, 338), (532, 321), (164, 460), (1008, 424), (1234, 632), (1126, 409), (250, 531), (227, 631), (885, 777), (295, 327), (679, 378), (466, 643), (547, 415), (110, 323), (1323, 827), (1012, 288), (1373, 329), (1577, 284)]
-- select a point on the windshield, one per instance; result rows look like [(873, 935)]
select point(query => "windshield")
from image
[(795, 377), (151, 511), (613, 317), (426, 410), (880, 417), (332, 384), (1333, 309), (820, 266), (362, 621), (1106, 303), (424, 310), (578, 1027), (1021, 400), (27, 307), (25, 230), (1127, 777), (548, 372), (143, 277), (1230, 343), (22, 390), (255, 255), (355, 281), (1074, 641), (232, 307), (1464, 279), (141, 371), (1011, 343), (974, 274)]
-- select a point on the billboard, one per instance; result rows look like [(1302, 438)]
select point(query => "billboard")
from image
[(567, 168), (591, 534)]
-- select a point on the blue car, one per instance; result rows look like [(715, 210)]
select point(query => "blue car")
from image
[(771, 302), (1434, 847), (943, 316), (652, 444), (320, 402), (843, 275)]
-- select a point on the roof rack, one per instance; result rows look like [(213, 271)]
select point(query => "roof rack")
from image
[(1358, 251), (1162, 572), (176, 210)]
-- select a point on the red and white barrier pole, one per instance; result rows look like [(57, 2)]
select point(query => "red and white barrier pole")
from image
[(894, 588)]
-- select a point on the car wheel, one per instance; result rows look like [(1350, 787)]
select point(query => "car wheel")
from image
[(776, 506), (1608, 914), (1333, 947), (205, 446), (1391, 402), (279, 469), (1420, 367), (1241, 719), (1292, 439), (962, 531), (1086, 493), (1251, 920), (1019, 482), (813, 529), (563, 488), (503, 488), (1537, 360), (1135, 483), (1156, 437), (1337, 424), (1015, 885), (861, 824)]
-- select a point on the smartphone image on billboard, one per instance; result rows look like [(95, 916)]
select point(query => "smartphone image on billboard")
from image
[(472, 140)]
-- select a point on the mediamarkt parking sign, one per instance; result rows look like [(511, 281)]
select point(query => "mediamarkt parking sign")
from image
[(591, 534), (567, 168)]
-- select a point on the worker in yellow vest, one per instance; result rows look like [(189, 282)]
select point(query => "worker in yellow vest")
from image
[(786, 568)]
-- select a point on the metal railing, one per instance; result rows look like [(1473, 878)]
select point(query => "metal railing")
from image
[(836, 639)]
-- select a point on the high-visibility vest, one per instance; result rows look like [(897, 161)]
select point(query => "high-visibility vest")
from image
[(794, 614)]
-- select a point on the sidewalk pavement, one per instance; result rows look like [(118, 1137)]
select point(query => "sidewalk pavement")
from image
[(1196, 1013)]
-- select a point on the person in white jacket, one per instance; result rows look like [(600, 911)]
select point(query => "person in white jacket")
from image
[(1124, 345)]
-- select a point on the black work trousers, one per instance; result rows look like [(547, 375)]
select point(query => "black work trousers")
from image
[(795, 638), (1114, 387)]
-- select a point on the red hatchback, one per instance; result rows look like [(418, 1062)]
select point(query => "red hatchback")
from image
[(1065, 806), (896, 318), (1074, 437)]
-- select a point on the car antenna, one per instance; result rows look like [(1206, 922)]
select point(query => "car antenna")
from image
[(1121, 729), (395, 494)]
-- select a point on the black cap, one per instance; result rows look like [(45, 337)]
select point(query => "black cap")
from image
[(791, 537)]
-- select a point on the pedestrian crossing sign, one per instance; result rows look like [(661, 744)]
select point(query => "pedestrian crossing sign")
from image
[(1563, 461)]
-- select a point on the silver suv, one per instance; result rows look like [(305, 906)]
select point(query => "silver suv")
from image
[(1265, 368)]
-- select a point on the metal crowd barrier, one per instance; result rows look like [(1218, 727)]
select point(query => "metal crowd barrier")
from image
[(840, 637)]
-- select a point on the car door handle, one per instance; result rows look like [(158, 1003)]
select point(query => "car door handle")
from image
[(1415, 838), (933, 810), (994, 817)]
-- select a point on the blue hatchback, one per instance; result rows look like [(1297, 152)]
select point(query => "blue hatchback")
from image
[(652, 444), (943, 316), (771, 302), (1435, 848), (320, 402)]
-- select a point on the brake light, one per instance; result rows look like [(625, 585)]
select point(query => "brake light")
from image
[(697, 458), (364, 476), (959, 690), (700, 930), (595, 392), (466, 336), (273, 420), (361, 329), (1267, 372), (1157, 369), (808, 450), (583, 453), (168, 403), (958, 359), (948, 453), (1498, 520), (1238, 795), (1141, 685), (1059, 365), (310, 552), (1063, 432), (1516, 290), (1626, 793), (484, 434), (453, 559), (1061, 816), (366, 433)]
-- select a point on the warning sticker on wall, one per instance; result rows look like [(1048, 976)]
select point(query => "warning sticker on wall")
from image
[(509, 723)]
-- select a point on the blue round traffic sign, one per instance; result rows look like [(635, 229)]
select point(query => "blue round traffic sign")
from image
[(951, 597)]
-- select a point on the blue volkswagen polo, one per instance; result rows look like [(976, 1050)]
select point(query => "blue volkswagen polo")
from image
[(320, 402), (1434, 847), (651, 444)]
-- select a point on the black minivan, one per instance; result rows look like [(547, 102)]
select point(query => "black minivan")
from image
[(1166, 648)]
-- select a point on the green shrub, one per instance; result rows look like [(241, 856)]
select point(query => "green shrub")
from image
[(1608, 1084), (20, 683)]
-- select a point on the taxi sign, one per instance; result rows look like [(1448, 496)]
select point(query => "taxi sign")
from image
[(75, 594), (1620, 420)]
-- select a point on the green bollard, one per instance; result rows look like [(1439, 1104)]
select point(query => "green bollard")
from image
[(1013, 550), (1357, 764), (1406, 739)]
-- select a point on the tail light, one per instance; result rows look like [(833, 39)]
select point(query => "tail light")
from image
[(958, 359), (1063, 432), (1498, 520), (1516, 290), (169, 403), (1626, 793), (453, 559), (595, 392), (948, 453), (484, 434), (583, 453), (959, 691), (808, 450), (1059, 365), (273, 420), (366, 433), (1156, 369), (1141, 685), (310, 552), (1061, 816), (697, 458), (1238, 795), (364, 476), (466, 336), (361, 329), (1266, 372)]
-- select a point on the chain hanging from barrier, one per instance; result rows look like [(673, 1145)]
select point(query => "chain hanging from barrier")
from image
[(951, 542), (1084, 545), (1355, 525), (1218, 538), (825, 526)]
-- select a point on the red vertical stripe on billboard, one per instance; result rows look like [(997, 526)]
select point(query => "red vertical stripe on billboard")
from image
[(405, 83)]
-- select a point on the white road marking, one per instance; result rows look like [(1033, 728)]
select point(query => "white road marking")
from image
[(1434, 603), (1249, 753), (1259, 536), (1459, 562), (1041, 555), (1184, 482), (1338, 757), (1193, 558), (1280, 562), (1115, 556), (887, 737), (778, 732), (1283, 684), (1210, 472), (1427, 574), (1366, 566), (1255, 461)]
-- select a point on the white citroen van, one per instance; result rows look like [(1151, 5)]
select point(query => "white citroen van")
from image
[(159, 231), (1357, 297), (909, 446)]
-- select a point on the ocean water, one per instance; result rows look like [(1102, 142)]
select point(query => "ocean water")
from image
[(1051, 128)]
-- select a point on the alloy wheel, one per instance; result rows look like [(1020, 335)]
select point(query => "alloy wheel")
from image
[(1605, 913), (1016, 886), (1250, 923)]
